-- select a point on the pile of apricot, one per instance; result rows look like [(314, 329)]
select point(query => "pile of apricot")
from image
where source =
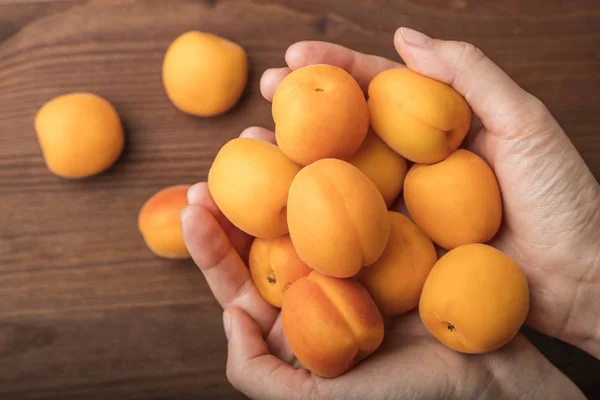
[(329, 249)]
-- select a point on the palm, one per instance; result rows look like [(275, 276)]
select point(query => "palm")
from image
[(542, 241)]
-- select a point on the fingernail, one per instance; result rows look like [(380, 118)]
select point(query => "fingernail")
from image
[(191, 195), (185, 215), (226, 323), (415, 38)]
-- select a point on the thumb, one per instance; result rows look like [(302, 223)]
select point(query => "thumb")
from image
[(503, 107), (253, 370)]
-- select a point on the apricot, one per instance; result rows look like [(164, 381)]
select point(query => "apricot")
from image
[(331, 324), (422, 119), (274, 266), (456, 201), (475, 299), (382, 165), (320, 112), (337, 218), (160, 224), (396, 279), (204, 74), (249, 181), (80, 134)]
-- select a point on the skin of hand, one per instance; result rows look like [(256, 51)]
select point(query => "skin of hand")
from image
[(551, 228)]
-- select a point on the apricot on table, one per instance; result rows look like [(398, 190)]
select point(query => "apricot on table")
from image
[(422, 119), (337, 218), (382, 165), (159, 222), (204, 74), (249, 181), (475, 299), (80, 134), (274, 266), (320, 112), (396, 279), (456, 201), (330, 323)]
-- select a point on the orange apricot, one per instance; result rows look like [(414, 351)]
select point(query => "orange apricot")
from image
[(274, 266), (422, 119), (475, 299), (80, 134), (337, 218), (249, 181), (319, 112), (204, 74), (456, 201), (382, 165), (396, 279), (330, 323), (159, 222)]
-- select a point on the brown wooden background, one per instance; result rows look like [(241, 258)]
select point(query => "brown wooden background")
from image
[(85, 310)]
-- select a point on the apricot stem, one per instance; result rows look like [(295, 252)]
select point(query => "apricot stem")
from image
[(450, 327), (319, 90), (271, 278)]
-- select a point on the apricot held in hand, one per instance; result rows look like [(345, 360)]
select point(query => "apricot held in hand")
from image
[(382, 165), (331, 324), (274, 266), (475, 299), (456, 201), (319, 112), (422, 119), (337, 218), (159, 222), (396, 279), (203, 74), (249, 181), (80, 134)]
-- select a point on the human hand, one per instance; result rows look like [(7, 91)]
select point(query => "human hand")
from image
[(411, 363)]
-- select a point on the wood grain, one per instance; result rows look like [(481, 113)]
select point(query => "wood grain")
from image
[(86, 311)]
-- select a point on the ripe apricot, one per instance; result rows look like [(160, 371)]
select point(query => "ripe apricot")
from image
[(204, 74), (382, 165), (337, 218), (274, 266), (80, 134), (422, 119), (395, 280), (319, 112), (159, 222), (249, 181), (330, 323), (456, 201), (475, 299)]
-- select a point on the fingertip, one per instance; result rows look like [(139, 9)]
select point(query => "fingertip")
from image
[(186, 215), (197, 193), (295, 55), (259, 133), (270, 79)]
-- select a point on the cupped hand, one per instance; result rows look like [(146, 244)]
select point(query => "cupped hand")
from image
[(526, 147)]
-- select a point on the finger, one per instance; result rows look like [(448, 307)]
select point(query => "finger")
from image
[(256, 132), (225, 272), (254, 371), (270, 79), (502, 105), (278, 343), (363, 67), (199, 194)]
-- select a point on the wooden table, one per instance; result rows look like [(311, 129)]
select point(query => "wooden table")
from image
[(86, 311)]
